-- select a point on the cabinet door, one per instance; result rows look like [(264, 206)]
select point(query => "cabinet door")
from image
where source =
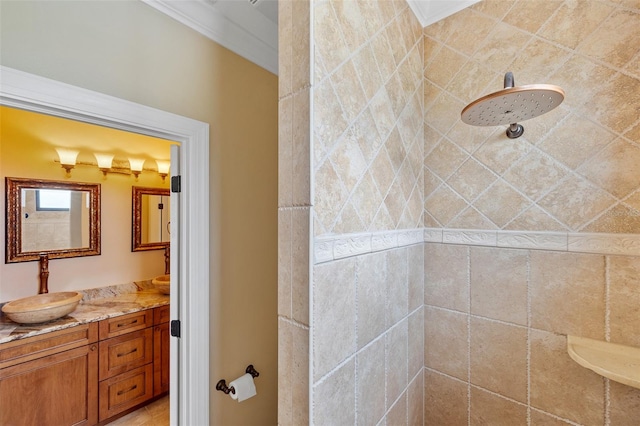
[(59, 389), (161, 359)]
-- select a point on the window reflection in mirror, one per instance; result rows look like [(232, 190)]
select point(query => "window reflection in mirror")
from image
[(59, 218), (150, 218)]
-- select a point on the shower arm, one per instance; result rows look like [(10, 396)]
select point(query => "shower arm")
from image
[(515, 130)]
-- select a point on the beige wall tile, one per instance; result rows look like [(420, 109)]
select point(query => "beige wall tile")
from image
[(512, 203), (546, 170), (370, 386), (300, 264), (334, 316), (499, 358), (415, 400), (372, 297), (624, 300), (574, 21), (499, 284), (293, 373), (624, 404), (444, 205), (336, 408), (501, 47), (471, 179), (415, 345), (567, 293), (446, 342), (469, 41), (490, 409), (446, 400), (416, 276), (530, 15), (396, 360), (563, 145), (613, 168), (300, 35), (285, 264), (397, 414), (397, 286), (446, 276), (559, 385), (575, 201), (610, 42)]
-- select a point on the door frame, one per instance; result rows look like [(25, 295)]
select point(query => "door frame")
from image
[(190, 368)]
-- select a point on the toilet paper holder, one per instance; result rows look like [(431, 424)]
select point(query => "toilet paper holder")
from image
[(222, 384)]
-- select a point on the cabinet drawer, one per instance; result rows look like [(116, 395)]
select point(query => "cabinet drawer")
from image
[(123, 353), (31, 348), (127, 390), (123, 324), (161, 315)]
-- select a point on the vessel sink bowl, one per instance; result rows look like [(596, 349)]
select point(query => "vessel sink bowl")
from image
[(162, 283), (42, 307)]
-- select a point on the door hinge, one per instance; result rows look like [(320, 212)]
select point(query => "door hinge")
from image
[(175, 328), (176, 183)]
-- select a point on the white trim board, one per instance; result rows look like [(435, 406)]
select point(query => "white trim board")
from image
[(190, 380)]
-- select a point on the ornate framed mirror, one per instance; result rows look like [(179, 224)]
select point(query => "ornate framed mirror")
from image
[(57, 218), (150, 218)]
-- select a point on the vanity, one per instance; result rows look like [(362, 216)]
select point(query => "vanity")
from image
[(108, 357)]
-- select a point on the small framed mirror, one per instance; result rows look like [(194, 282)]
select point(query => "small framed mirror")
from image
[(57, 218), (151, 218)]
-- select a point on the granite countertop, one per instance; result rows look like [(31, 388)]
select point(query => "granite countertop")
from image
[(96, 304)]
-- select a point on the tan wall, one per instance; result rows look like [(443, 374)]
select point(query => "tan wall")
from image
[(496, 320), (26, 152), (131, 51)]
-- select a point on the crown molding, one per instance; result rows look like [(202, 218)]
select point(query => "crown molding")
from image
[(234, 25)]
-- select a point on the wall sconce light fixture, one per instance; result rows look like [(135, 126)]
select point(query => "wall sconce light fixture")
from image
[(67, 158), (136, 166), (104, 161), (163, 168)]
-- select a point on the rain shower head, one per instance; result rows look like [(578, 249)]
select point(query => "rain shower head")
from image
[(513, 104)]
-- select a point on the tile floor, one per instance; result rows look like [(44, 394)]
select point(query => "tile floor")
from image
[(154, 414)]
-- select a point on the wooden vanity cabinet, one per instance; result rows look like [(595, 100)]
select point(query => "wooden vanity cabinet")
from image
[(161, 336), (126, 367), (51, 379), (85, 374)]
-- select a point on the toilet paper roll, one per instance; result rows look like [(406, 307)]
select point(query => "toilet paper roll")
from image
[(244, 386)]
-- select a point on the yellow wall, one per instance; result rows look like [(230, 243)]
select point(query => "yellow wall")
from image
[(27, 143), (131, 51)]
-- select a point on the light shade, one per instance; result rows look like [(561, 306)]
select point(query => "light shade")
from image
[(67, 158), (135, 164), (104, 161), (163, 166)]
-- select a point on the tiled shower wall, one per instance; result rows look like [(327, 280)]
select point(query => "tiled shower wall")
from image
[(496, 319), (576, 167), (496, 322), (367, 126)]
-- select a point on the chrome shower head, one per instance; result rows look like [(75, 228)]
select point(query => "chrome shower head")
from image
[(512, 104)]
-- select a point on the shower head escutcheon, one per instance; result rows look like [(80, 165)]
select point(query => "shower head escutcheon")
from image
[(512, 104)]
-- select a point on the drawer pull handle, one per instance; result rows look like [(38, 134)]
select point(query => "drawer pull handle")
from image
[(128, 353), (120, 392), (122, 324)]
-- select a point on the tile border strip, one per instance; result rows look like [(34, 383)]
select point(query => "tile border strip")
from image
[(335, 247)]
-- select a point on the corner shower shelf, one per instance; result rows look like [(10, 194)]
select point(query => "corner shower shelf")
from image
[(617, 362)]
